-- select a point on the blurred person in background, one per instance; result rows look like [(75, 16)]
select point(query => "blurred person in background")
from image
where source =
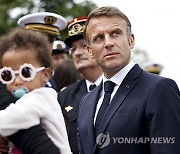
[(45, 22), (66, 74), (153, 67), (59, 53), (90, 71)]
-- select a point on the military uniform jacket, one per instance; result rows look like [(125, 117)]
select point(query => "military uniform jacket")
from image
[(69, 100)]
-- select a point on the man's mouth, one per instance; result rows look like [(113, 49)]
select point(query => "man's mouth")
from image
[(111, 55), (81, 59)]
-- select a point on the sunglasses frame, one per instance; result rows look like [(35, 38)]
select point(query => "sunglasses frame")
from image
[(19, 72)]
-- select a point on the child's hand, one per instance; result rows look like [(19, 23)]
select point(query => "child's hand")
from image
[(3, 145)]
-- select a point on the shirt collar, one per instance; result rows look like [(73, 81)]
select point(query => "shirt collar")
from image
[(97, 82), (118, 77)]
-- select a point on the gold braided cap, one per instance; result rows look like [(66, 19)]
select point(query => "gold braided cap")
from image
[(153, 69), (51, 30), (46, 22), (77, 26)]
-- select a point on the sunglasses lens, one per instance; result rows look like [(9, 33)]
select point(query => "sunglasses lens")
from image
[(26, 72), (6, 75)]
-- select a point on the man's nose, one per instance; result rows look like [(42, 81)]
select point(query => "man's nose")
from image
[(108, 42), (78, 51)]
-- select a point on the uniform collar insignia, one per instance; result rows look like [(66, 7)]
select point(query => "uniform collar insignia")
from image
[(68, 108)]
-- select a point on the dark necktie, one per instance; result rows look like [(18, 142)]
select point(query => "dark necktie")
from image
[(92, 86), (108, 89)]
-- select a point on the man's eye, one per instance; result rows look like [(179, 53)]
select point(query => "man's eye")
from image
[(84, 45), (72, 50), (97, 39), (114, 34)]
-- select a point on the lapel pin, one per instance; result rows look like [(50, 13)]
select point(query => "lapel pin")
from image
[(127, 86)]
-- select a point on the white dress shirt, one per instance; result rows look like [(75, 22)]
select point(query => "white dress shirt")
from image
[(97, 82), (117, 79)]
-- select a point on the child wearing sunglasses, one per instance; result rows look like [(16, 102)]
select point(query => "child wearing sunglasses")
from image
[(25, 69)]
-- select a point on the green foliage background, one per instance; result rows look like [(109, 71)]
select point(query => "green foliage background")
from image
[(11, 11)]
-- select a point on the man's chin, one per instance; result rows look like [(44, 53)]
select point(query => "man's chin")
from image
[(82, 66)]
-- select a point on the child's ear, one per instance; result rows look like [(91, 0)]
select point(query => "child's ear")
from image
[(47, 74)]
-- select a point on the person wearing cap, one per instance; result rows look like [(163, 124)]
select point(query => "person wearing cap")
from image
[(48, 23), (60, 52), (153, 67), (45, 22), (90, 70)]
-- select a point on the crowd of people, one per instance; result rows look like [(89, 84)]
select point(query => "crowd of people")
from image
[(81, 94)]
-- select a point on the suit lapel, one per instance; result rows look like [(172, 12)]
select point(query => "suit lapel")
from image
[(81, 92), (127, 85), (91, 111)]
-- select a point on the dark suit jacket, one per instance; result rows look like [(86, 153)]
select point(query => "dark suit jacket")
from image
[(145, 105), (71, 97), (30, 141)]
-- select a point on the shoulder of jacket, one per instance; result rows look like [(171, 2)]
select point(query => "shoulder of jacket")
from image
[(73, 86)]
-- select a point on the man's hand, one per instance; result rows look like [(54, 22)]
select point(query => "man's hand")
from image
[(3, 145)]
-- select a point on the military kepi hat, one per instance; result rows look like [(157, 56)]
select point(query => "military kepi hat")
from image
[(45, 22), (75, 30)]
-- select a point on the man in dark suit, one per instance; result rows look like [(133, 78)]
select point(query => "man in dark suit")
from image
[(30, 141), (90, 70), (142, 116)]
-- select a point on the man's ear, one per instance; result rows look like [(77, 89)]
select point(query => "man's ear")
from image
[(47, 74), (131, 41), (89, 50)]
